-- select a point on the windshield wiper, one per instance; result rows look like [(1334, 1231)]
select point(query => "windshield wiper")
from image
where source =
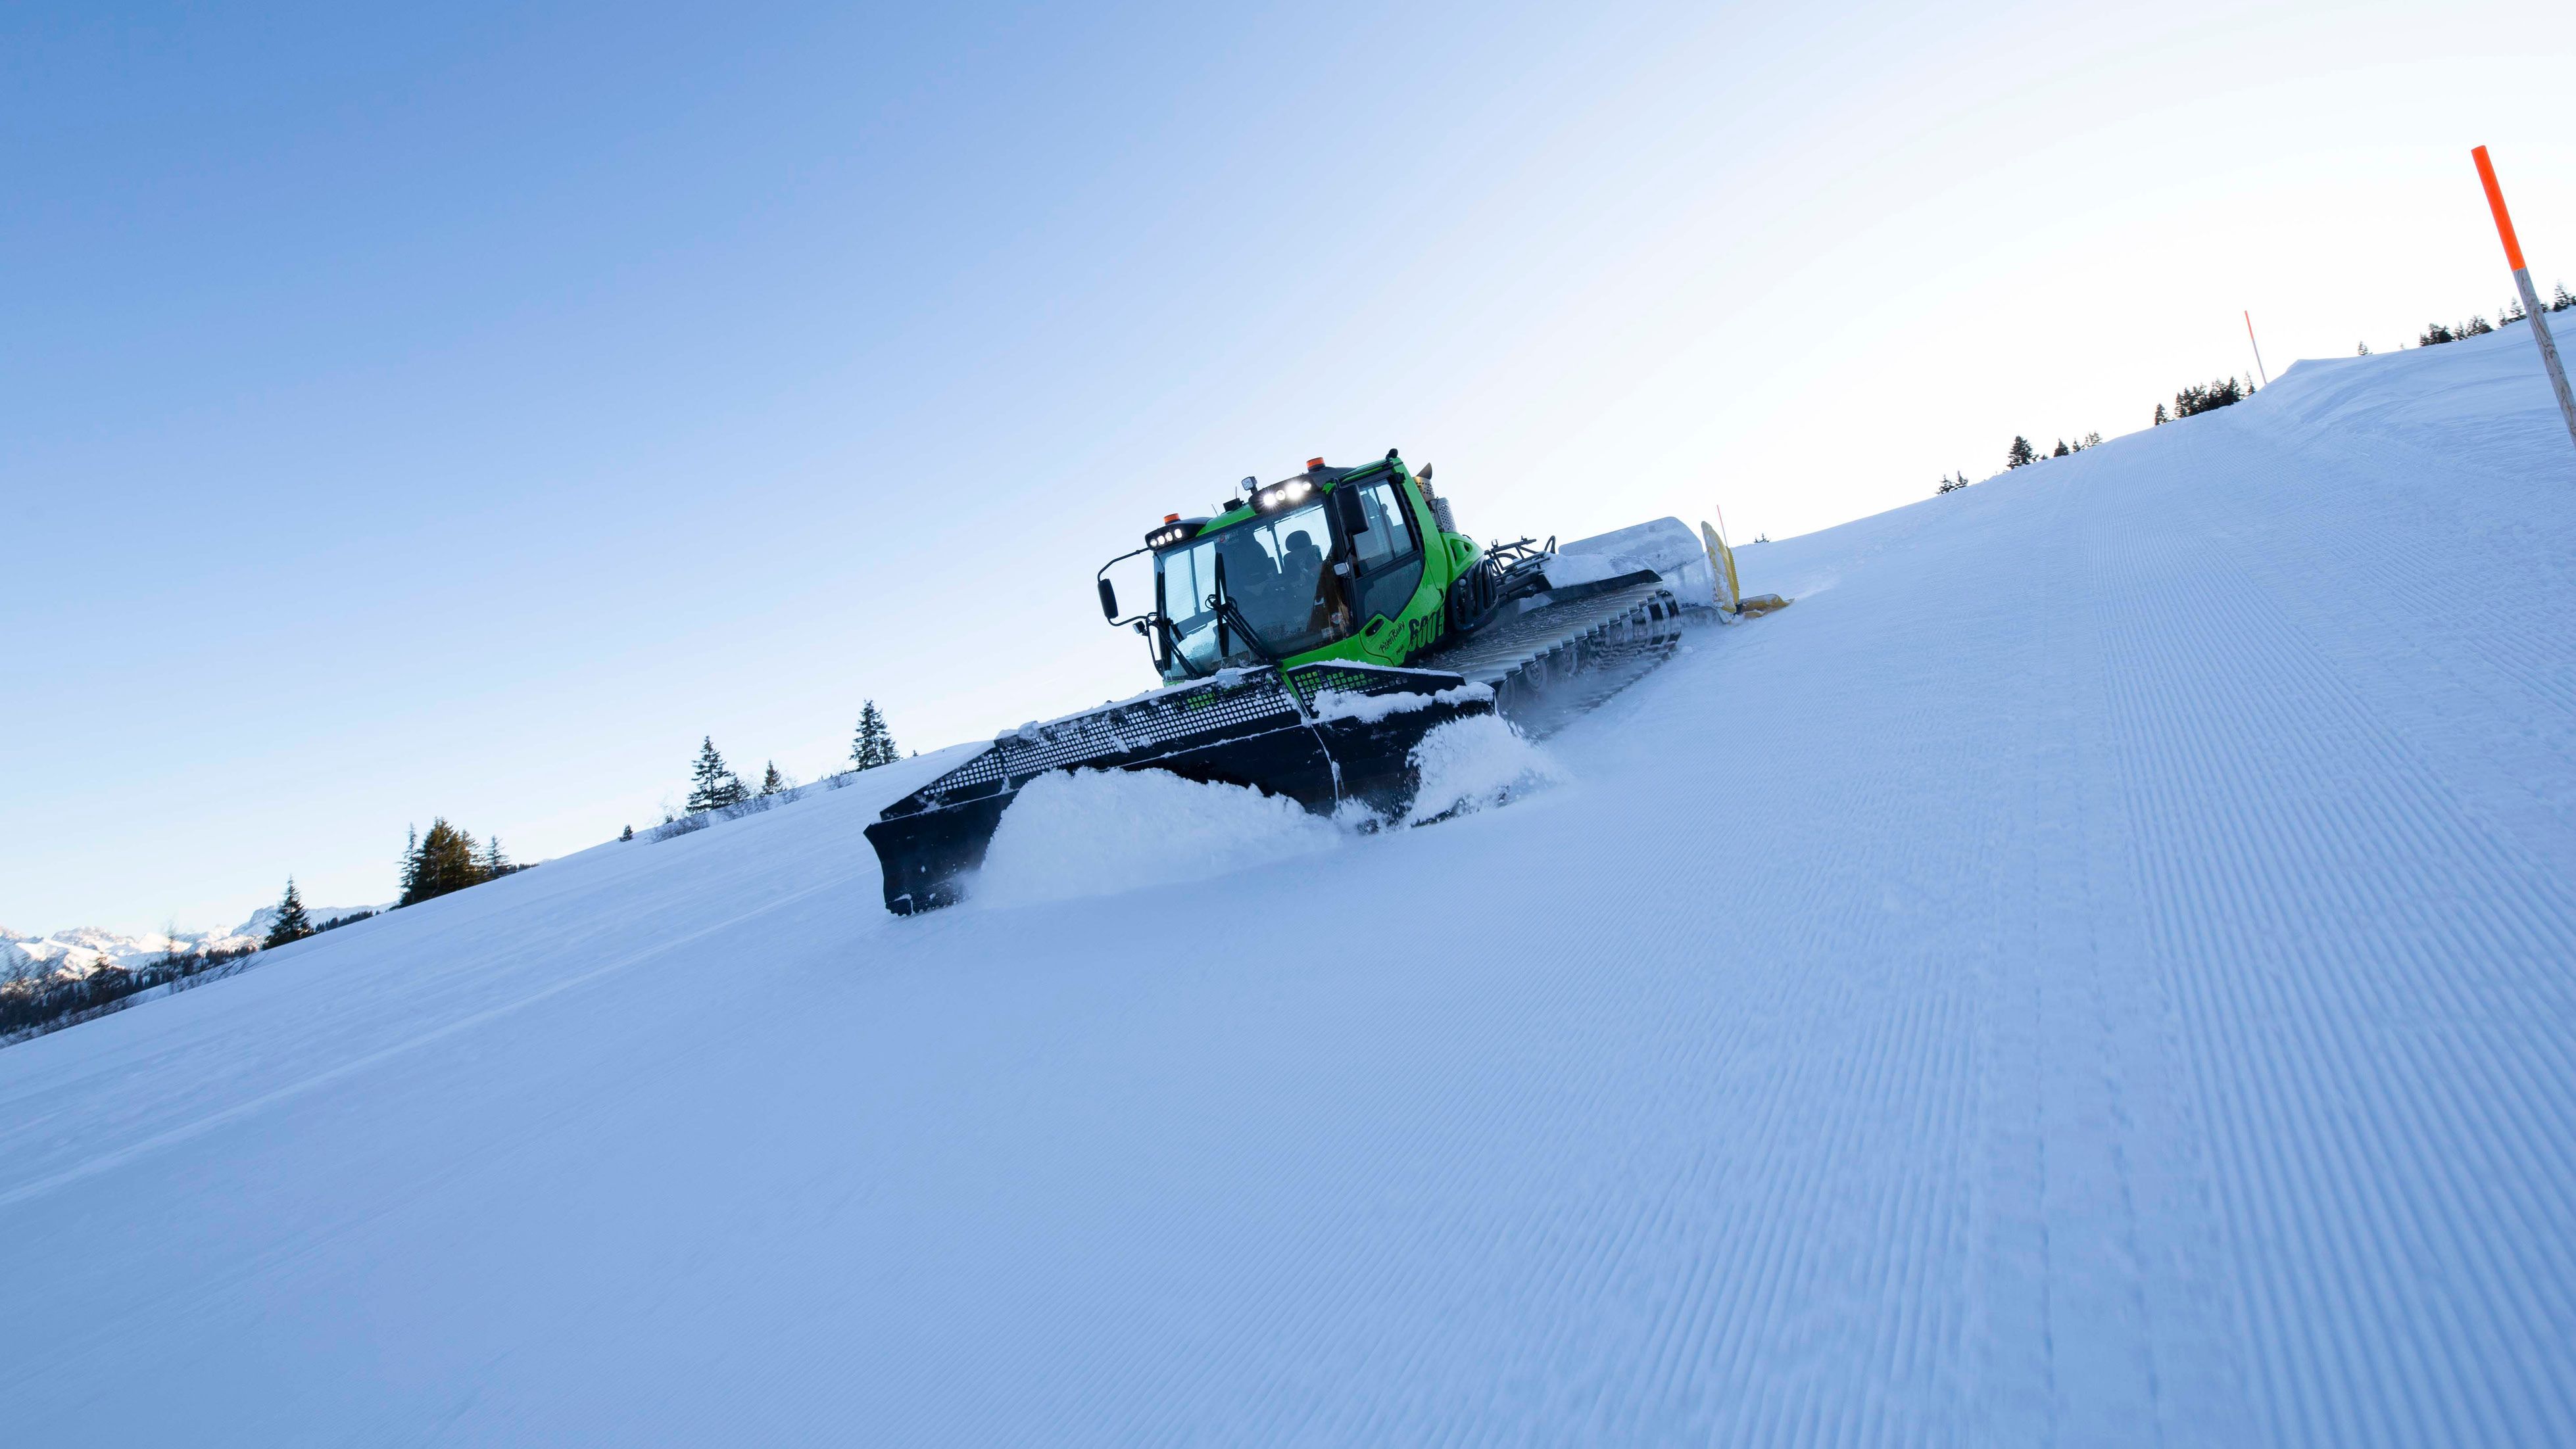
[(1172, 647), (1226, 611), (1249, 637)]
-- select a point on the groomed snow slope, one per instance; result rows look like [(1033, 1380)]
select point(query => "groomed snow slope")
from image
[(2097, 970)]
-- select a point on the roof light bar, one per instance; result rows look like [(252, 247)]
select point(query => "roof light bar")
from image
[(1282, 495)]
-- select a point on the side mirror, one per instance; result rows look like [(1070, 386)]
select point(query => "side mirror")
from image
[(1108, 601), (1346, 507)]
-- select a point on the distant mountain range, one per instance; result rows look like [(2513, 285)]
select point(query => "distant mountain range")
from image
[(83, 950)]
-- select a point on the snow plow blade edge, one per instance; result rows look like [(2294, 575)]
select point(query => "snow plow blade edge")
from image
[(1321, 734)]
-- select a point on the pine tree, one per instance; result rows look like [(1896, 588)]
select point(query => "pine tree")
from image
[(444, 861), (2161, 418), (2361, 349), (875, 744), (2021, 453), (2062, 449), (2560, 301), (495, 864), (292, 924), (627, 834), (712, 785), (770, 781), (2197, 399)]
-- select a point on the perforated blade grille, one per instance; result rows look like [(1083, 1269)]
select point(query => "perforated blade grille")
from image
[(1313, 680)]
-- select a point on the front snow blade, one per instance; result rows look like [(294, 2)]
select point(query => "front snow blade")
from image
[(1320, 735)]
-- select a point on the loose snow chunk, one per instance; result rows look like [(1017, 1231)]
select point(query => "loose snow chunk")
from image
[(1098, 832), (1468, 764), (1333, 704)]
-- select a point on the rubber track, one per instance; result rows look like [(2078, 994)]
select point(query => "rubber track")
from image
[(1554, 663)]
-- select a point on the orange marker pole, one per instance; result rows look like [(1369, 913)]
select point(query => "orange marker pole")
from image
[(2530, 298), (2258, 349)]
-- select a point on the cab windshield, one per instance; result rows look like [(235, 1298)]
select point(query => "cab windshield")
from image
[(1275, 577)]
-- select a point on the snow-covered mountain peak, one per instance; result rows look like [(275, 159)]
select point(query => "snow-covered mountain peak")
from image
[(83, 948)]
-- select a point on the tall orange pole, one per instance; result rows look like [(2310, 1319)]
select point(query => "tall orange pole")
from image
[(2530, 297)]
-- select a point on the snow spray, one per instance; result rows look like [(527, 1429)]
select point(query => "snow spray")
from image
[(1469, 764), (1078, 833)]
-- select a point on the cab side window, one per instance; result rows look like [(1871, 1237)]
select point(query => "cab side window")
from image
[(1389, 553)]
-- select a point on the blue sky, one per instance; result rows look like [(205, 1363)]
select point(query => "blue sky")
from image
[(460, 412)]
